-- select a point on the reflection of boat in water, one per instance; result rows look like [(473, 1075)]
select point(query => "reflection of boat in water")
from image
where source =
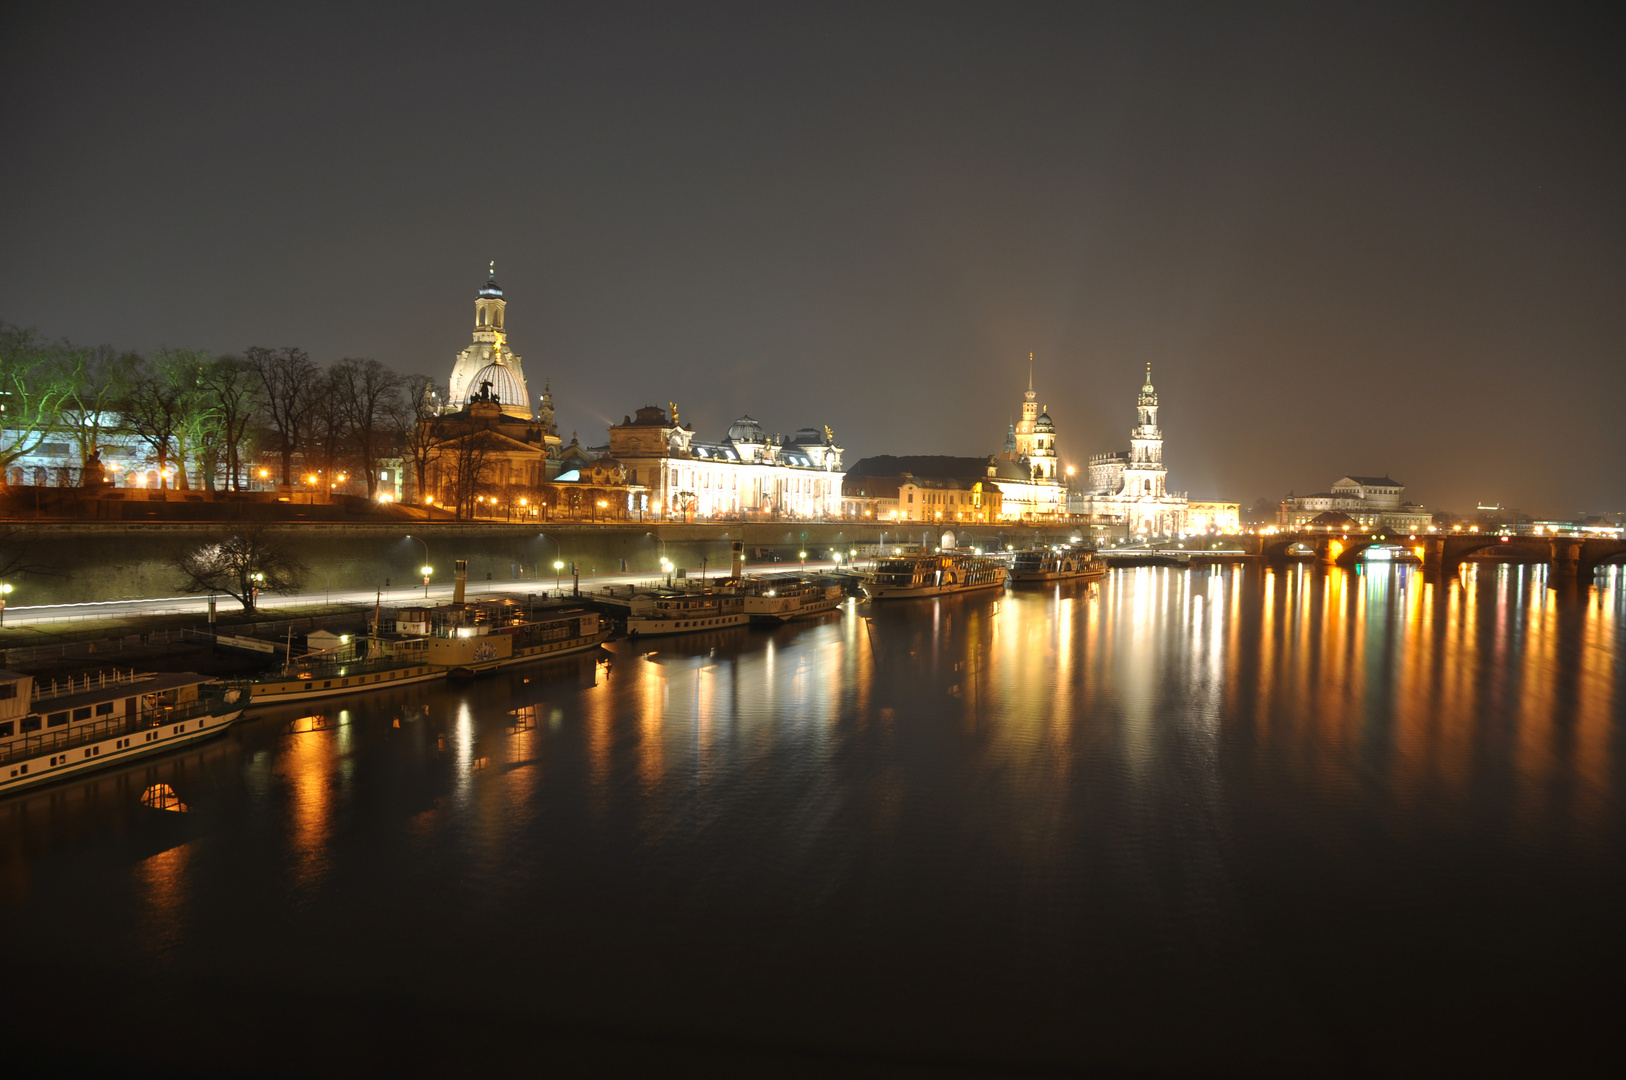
[(457, 640), (783, 597), (98, 721), (908, 575), (1063, 564)]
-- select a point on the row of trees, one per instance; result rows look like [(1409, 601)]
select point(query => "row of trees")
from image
[(209, 417)]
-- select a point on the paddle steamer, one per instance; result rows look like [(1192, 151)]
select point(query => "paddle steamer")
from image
[(1064, 564), (459, 639), (909, 575), (91, 722), (780, 598)]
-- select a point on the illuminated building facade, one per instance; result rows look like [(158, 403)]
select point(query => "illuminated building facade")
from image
[(1131, 486), (1028, 473), (1369, 501), (748, 472)]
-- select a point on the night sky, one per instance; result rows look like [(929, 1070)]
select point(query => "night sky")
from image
[(1359, 241)]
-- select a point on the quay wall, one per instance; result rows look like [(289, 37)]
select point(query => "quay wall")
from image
[(99, 561)]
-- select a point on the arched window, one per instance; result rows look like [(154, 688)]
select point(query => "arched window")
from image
[(480, 318)]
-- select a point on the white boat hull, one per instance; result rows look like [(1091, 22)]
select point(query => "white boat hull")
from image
[(274, 692), (912, 592), (48, 766), (649, 626)]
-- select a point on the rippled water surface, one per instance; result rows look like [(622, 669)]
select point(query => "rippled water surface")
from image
[(1198, 822)]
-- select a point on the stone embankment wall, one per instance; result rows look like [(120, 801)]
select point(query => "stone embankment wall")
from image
[(106, 561)]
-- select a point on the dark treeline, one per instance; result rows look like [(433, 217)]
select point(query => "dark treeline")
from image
[(201, 420)]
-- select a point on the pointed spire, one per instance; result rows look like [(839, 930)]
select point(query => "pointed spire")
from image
[(1030, 371), (493, 269)]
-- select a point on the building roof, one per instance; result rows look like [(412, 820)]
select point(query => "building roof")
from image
[(921, 465), (507, 388), (745, 430), (1375, 481)]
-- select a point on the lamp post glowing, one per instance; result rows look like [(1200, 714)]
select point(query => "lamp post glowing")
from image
[(558, 565), (5, 591), (803, 556), (427, 569)]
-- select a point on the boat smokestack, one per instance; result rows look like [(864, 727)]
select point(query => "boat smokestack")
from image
[(460, 580), (739, 559)]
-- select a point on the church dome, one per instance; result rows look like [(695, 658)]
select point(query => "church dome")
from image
[(507, 388), (1044, 423), (745, 430)]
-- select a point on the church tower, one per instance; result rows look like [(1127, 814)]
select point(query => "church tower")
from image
[(1144, 475), (489, 347), (1026, 444)]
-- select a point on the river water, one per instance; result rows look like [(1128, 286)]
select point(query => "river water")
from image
[(1185, 822)]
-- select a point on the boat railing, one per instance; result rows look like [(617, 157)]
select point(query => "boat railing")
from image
[(29, 746)]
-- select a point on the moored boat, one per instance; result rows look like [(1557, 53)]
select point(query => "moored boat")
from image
[(97, 721), (675, 612), (1057, 564), (906, 575), (459, 640), (783, 597)]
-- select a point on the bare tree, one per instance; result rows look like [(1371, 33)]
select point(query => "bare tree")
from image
[(370, 394), (182, 370), (94, 380), (242, 565), (154, 412), (30, 394), (415, 417), (288, 378), (463, 465), (21, 553), (329, 426), (238, 395)]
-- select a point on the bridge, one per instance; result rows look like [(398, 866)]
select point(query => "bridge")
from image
[(1566, 556)]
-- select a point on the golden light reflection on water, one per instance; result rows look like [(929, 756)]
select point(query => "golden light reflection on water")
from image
[(163, 892), (1371, 683), (305, 766)]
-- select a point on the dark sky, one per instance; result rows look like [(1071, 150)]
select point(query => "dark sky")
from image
[(1361, 241)]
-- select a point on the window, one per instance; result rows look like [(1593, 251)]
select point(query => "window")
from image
[(81, 714), (8, 691), (8, 729), (31, 723), (56, 719), (104, 709)]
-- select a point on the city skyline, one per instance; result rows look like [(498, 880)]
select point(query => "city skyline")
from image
[(1397, 261)]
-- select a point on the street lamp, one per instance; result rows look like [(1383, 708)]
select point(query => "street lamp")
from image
[(427, 569), (558, 565), (803, 556), (5, 591)]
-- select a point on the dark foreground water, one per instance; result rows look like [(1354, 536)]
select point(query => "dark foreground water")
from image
[(1190, 822)]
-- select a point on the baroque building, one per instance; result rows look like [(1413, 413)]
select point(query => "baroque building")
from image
[(1028, 473), (1370, 501), (1131, 485), (488, 359), (748, 472)]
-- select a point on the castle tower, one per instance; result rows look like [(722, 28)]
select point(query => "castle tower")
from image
[(1043, 462), (490, 346), (1144, 475), (1025, 442)]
